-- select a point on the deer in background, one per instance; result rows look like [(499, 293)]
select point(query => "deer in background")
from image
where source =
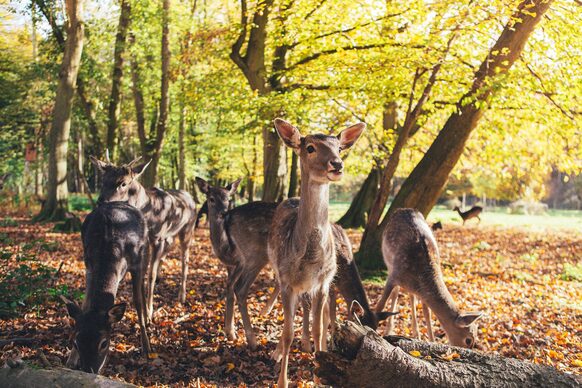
[(471, 213), (301, 244), (114, 241), (239, 238), (412, 257), (169, 214)]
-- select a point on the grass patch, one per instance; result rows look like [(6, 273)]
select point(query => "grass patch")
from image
[(80, 203), (572, 272), (8, 222), (374, 276)]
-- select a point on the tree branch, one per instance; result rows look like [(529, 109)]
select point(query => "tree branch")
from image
[(235, 53), (318, 6)]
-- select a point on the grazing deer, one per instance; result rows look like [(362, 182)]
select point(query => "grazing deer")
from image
[(411, 255), (239, 238), (471, 213), (301, 243), (169, 214), (437, 226), (114, 241)]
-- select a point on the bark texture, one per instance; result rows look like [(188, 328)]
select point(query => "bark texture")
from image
[(58, 377), (118, 59), (56, 202), (361, 358)]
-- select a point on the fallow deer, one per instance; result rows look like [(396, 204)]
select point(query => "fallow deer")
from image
[(301, 243), (168, 213), (412, 257), (114, 241), (239, 239), (473, 212)]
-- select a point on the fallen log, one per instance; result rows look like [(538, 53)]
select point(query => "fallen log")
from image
[(362, 358), (24, 377)]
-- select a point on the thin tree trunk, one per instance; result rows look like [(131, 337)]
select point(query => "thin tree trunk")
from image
[(356, 215), (181, 153), (151, 174), (56, 203), (138, 101), (274, 166), (114, 98), (424, 185), (294, 177)]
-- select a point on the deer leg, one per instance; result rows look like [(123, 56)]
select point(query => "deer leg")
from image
[(427, 319), (282, 351), (415, 332), (305, 330), (158, 253), (393, 304), (242, 291), (233, 275), (185, 238), (385, 294), (139, 302), (272, 299), (318, 333), (331, 315)]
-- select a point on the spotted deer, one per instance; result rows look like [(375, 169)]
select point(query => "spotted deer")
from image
[(114, 241), (301, 243), (169, 214), (239, 239), (412, 257)]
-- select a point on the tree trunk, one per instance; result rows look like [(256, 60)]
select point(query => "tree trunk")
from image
[(294, 177), (424, 185), (151, 173), (114, 99), (357, 214), (138, 102), (181, 153), (364, 359), (274, 166), (56, 203), (24, 377)]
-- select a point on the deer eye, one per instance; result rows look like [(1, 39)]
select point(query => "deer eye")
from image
[(211, 200), (310, 149), (103, 345), (468, 341), (123, 184)]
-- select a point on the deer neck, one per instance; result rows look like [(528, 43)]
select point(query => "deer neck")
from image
[(138, 196), (101, 291), (440, 301), (313, 206), (218, 233)]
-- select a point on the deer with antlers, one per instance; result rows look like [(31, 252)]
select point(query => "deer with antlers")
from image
[(169, 214)]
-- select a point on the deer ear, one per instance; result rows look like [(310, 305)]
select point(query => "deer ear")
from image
[(288, 133), (98, 163), (72, 308), (231, 187), (349, 136), (202, 185), (138, 170), (466, 319), (116, 312)]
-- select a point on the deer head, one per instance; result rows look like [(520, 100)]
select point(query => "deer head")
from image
[(463, 331), (117, 181), (319, 154), (218, 197), (92, 333)]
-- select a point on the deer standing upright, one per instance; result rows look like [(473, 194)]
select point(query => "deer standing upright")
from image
[(471, 213), (169, 214), (301, 243), (239, 239), (114, 241), (411, 255)]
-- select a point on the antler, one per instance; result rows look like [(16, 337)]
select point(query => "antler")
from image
[(130, 164), (107, 156)]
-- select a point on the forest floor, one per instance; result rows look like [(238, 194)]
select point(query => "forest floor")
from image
[(529, 284)]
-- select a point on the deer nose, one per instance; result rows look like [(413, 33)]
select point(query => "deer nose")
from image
[(337, 165)]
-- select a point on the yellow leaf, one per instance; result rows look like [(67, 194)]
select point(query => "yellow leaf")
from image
[(152, 356), (414, 353), (229, 366), (577, 363)]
